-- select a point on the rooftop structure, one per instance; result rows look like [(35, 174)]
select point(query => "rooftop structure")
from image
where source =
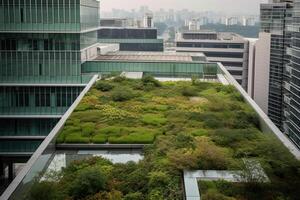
[(131, 38), (152, 56)]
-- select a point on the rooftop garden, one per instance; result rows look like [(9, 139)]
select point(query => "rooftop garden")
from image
[(187, 125)]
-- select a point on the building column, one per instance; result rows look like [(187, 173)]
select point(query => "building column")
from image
[(2, 168), (10, 171)]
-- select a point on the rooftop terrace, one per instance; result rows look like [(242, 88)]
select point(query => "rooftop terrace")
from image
[(187, 125)]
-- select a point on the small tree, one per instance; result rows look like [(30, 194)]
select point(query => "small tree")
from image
[(89, 181)]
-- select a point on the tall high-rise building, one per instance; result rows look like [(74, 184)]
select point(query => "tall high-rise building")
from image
[(42, 47), (292, 93), (275, 18)]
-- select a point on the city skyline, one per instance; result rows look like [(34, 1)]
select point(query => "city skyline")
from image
[(229, 6)]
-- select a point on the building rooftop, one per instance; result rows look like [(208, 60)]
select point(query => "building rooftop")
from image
[(152, 56), (183, 123), (206, 35)]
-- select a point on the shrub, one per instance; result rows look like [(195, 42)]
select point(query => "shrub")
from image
[(150, 80), (156, 195), (245, 119), (184, 140), (122, 94), (230, 137), (158, 179), (87, 116), (119, 79), (215, 195), (76, 138), (60, 138), (110, 130), (88, 129), (99, 139), (103, 86), (43, 190), (89, 181), (133, 138), (134, 196), (189, 92), (154, 119), (200, 132), (211, 156)]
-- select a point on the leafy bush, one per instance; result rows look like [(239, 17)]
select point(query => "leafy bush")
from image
[(156, 195), (189, 92), (103, 86), (89, 181), (154, 119), (119, 79), (43, 190), (158, 179), (150, 80), (230, 137), (76, 138), (122, 94), (134, 196)]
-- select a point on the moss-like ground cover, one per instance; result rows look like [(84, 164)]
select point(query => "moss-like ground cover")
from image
[(196, 126), (135, 111)]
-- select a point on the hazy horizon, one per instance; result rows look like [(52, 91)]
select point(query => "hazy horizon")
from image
[(227, 6)]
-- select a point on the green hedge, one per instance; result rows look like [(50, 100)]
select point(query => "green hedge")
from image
[(75, 138), (99, 139)]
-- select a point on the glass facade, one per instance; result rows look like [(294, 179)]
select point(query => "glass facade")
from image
[(41, 42), (292, 122), (171, 69), (124, 33), (48, 15), (132, 39), (275, 18), (29, 127)]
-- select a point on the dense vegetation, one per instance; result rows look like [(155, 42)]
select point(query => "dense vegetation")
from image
[(189, 125)]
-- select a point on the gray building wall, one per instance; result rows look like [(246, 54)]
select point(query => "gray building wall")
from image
[(230, 49)]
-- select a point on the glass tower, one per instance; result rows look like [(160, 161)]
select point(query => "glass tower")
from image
[(275, 18), (292, 96), (43, 44)]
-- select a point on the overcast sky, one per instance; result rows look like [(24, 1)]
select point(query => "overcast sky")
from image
[(228, 6)]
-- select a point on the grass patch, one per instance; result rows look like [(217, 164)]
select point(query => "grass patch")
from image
[(154, 119)]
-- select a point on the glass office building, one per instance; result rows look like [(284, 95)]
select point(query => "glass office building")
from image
[(43, 44), (275, 18), (292, 96)]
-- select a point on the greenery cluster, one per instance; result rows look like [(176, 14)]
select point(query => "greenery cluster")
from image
[(210, 128)]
